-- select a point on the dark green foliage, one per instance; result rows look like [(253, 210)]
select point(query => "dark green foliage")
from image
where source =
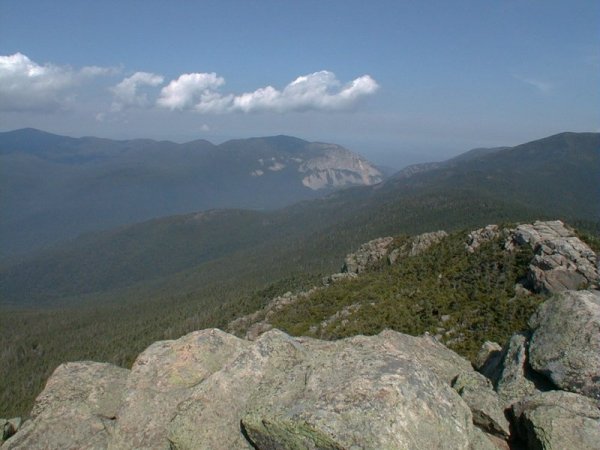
[(473, 292)]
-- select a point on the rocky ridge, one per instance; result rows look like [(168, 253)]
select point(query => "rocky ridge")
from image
[(210, 389), (561, 261), (368, 255)]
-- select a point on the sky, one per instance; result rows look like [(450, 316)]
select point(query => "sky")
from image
[(398, 81)]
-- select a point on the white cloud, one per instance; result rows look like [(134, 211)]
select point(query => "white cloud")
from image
[(192, 91), (126, 93), (28, 86), (316, 91)]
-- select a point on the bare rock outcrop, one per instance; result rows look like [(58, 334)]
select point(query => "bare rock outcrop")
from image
[(558, 420), (561, 262), (335, 167), (76, 410), (8, 427), (488, 412), (416, 245), (514, 379), (488, 359), (480, 236), (549, 376), (161, 378), (363, 392), (565, 345), (368, 254), (211, 390), (335, 277)]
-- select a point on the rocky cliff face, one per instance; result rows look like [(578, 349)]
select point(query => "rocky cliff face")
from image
[(321, 166), (337, 167), (211, 390)]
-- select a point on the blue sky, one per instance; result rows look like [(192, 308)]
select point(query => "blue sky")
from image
[(398, 81)]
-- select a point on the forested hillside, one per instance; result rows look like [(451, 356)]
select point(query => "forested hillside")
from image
[(55, 187), (107, 296)]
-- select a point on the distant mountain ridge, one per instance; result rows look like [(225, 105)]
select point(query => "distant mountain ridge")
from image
[(551, 178), (55, 187), (559, 172)]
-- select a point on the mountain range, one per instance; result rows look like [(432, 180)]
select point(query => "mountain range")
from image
[(56, 187), (548, 178), (108, 295)]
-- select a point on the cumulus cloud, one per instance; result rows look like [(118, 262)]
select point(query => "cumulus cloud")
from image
[(316, 91), (28, 86), (192, 91), (126, 93)]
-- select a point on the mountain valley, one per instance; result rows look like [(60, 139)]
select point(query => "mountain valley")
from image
[(106, 296)]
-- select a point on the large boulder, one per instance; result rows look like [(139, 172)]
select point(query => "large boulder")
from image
[(161, 378), (558, 420), (565, 344), (488, 411), (76, 410), (514, 378), (488, 360), (422, 242), (385, 391), (210, 417)]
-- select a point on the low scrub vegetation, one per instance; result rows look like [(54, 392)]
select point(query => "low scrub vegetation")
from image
[(463, 298)]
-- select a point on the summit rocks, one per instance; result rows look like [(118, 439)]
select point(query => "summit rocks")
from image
[(212, 390), (565, 344)]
